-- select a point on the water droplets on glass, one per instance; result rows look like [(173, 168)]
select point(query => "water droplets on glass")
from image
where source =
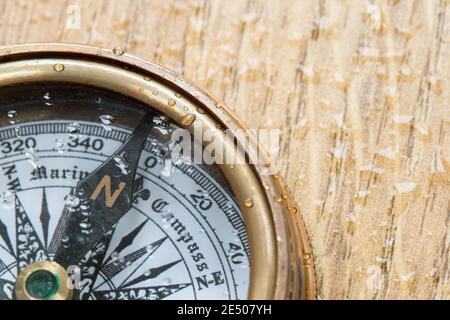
[(32, 158), (65, 242), (47, 99), (12, 114), (74, 130), (115, 256), (167, 168), (72, 201), (86, 227), (106, 121), (122, 163), (18, 130), (161, 124), (7, 199), (61, 145)]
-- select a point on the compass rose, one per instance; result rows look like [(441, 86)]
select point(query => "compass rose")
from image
[(95, 276)]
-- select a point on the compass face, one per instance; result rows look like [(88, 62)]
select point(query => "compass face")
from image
[(184, 236)]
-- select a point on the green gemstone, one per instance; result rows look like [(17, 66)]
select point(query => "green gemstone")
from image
[(42, 284)]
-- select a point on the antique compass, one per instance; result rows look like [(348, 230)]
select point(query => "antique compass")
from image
[(94, 205)]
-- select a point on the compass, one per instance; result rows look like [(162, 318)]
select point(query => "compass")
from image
[(110, 188)]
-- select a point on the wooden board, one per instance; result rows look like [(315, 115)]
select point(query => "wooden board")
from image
[(359, 89)]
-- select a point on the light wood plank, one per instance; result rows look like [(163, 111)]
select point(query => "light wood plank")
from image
[(360, 90)]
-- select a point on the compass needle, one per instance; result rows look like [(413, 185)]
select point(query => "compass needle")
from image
[(104, 207)]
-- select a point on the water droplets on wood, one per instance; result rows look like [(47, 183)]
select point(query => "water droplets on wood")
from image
[(407, 277), (437, 165), (373, 17), (405, 187)]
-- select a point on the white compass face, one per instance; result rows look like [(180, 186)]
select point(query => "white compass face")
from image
[(184, 237)]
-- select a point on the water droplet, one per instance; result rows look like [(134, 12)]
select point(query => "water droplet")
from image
[(161, 124), (72, 201), (18, 130), (171, 102), (74, 129), (85, 212), (85, 225), (407, 277), (122, 164), (374, 17), (7, 199), (362, 194), (61, 145), (405, 187), (58, 67), (115, 256), (167, 168), (106, 120), (85, 228), (32, 158), (12, 114), (47, 98), (118, 51), (65, 242), (188, 119), (248, 203)]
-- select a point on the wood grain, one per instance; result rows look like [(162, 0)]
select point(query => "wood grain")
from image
[(360, 90)]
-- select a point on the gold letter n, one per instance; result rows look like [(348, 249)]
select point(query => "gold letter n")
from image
[(110, 199)]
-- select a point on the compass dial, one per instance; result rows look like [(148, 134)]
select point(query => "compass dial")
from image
[(182, 236), (119, 179)]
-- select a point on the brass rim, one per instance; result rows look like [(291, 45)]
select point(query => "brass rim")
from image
[(282, 264)]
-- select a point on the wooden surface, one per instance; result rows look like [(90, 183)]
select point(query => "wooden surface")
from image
[(360, 90)]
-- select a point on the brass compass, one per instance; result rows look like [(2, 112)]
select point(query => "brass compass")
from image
[(110, 188)]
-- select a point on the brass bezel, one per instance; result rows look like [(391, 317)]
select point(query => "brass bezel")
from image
[(282, 265)]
